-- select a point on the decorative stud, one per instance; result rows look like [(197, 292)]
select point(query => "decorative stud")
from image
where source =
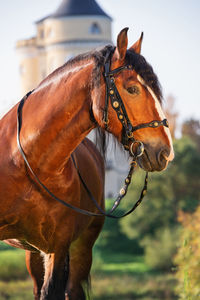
[(155, 124), (120, 117), (115, 104), (127, 180), (111, 92), (130, 134), (144, 192), (122, 192), (133, 163)]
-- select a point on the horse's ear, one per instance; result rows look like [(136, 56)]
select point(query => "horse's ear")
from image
[(122, 43), (138, 45)]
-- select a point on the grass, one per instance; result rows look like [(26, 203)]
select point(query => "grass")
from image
[(16, 290), (129, 287), (115, 276), (127, 277), (121, 264), (12, 265)]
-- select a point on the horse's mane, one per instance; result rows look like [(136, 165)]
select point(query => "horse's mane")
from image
[(139, 63)]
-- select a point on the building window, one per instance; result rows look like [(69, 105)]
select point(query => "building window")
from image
[(41, 34), (95, 29)]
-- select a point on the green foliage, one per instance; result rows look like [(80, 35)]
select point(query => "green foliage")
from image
[(160, 250), (191, 128), (112, 240), (12, 265), (175, 189), (188, 257), (114, 264)]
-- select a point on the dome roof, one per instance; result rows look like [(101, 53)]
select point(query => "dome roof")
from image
[(77, 8)]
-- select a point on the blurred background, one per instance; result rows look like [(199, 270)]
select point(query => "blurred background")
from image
[(154, 253)]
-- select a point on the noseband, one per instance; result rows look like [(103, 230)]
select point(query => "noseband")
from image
[(128, 129)]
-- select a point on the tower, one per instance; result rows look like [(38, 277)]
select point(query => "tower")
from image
[(76, 26)]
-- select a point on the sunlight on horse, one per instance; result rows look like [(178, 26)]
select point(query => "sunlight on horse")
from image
[(56, 118)]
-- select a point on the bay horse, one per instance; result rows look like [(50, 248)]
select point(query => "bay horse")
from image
[(56, 118)]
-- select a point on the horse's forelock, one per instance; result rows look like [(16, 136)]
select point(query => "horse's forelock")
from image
[(145, 70)]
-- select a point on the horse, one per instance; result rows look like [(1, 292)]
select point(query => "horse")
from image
[(114, 89)]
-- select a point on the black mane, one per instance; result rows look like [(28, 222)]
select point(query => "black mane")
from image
[(139, 63)]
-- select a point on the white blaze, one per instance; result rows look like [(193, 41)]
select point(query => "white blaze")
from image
[(161, 115)]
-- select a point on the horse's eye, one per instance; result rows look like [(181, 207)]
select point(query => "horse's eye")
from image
[(133, 90)]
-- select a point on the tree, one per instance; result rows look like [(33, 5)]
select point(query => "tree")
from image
[(191, 128), (169, 192), (188, 257)]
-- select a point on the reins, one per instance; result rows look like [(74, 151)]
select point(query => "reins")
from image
[(117, 104), (68, 205)]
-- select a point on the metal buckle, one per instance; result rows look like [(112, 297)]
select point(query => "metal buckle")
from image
[(140, 149)]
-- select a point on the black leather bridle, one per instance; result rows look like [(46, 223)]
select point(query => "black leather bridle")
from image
[(128, 129), (128, 141)]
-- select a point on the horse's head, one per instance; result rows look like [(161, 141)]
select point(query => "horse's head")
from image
[(130, 108)]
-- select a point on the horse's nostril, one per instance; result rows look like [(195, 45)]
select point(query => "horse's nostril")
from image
[(163, 157)]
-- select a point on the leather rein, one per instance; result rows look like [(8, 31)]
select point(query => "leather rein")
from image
[(128, 138)]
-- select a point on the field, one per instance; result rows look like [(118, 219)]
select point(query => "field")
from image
[(114, 277)]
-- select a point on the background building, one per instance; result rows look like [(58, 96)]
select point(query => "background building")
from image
[(77, 26)]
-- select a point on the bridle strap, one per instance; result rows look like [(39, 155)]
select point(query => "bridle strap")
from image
[(68, 205), (118, 105)]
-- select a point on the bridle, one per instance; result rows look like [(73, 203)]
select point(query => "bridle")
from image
[(112, 93), (128, 129)]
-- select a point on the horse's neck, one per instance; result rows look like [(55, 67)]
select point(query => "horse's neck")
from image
[(56, 118)]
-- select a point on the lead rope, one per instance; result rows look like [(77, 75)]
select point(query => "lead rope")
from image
[(77, 209)]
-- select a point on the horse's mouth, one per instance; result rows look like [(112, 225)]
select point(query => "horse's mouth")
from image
[(145, 163)]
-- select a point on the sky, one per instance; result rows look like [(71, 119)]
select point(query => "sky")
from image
[(171, 43)]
